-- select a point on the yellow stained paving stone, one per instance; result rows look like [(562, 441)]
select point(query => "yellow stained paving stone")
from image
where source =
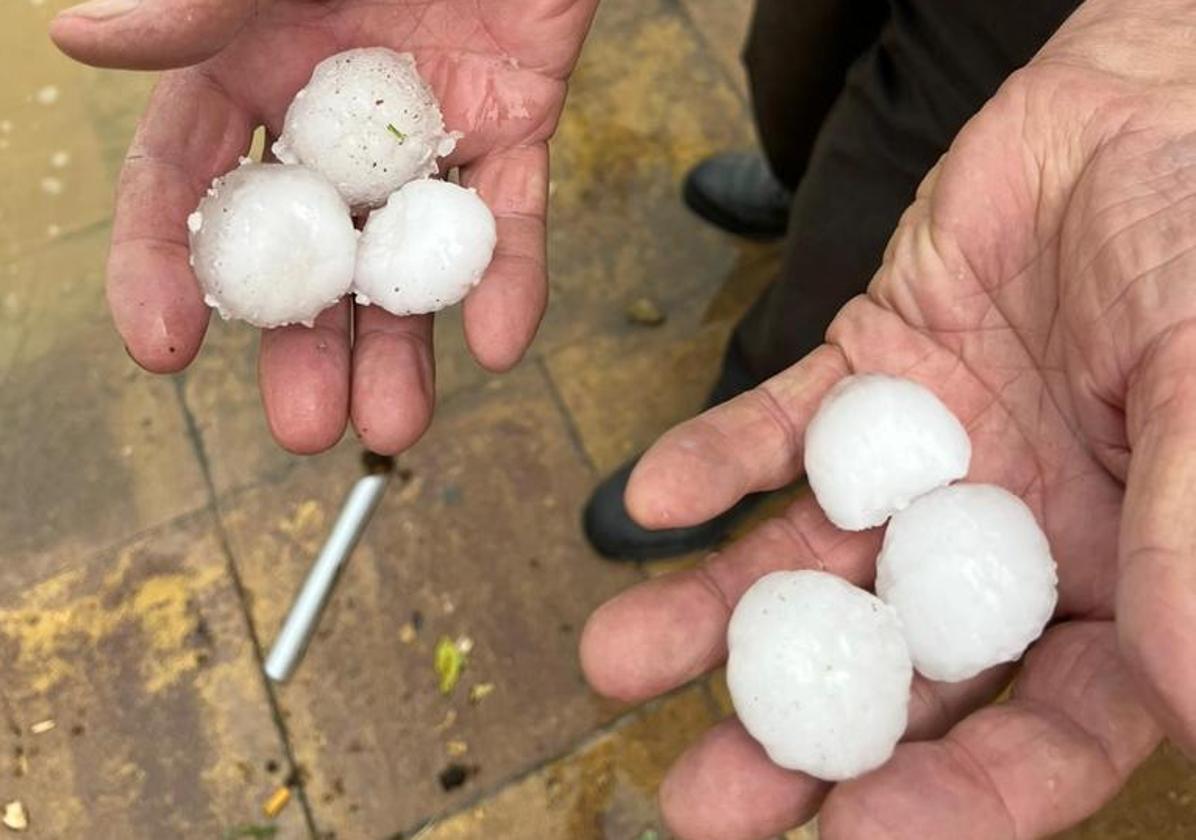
[(142, 657), (606, 788), (1159, 803), (51, 160), (756, 265), (94, 450), (645, 104), (724, 26), (624, 391), (626, 387), (477, 538)]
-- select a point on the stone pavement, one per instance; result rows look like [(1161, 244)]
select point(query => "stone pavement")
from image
[(151, 534)]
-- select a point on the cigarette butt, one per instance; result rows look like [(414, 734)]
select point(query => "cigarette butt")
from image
[(277, 801), (42, 727)]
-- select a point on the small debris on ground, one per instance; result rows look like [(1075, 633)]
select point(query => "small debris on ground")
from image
[(407, 633), (277, 801), (450, 717), (480, 691), (645, 312), (456, 749), (42, 726), (464, 645), (455, 775), (17, 819), (449, 663), (411, 489)]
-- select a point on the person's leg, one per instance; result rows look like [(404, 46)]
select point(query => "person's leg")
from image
[(797, 56), (935, 64)]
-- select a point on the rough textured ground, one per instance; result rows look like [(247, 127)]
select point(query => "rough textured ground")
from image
[(151, 534)]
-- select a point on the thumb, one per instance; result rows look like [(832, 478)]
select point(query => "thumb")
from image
[(149, 34), (1156, 590)]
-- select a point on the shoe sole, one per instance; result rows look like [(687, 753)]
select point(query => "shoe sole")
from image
[(708, 536), (712, 213)]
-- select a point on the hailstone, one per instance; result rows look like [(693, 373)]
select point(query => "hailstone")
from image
[(970, 573), (425, 249), (876, 443), (819, 673), (272, 244), (368, 123)]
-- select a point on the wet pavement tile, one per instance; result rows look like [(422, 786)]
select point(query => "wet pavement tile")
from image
[(93, 450), (132, 705), (475, 544)]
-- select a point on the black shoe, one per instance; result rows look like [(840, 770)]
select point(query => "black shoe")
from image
[(737, 192), (614, 534)]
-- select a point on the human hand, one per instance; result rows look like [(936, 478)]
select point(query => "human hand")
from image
[(1042, 285), (499, 70)]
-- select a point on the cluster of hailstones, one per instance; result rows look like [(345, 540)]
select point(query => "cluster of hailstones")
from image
[(274, 243), (820, 670)]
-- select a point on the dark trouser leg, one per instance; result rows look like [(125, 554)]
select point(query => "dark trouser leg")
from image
[(797, 56), (936, 63)]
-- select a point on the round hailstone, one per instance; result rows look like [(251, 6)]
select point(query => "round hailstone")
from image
[(970, 574), (425, 249), (272, 245), (878, 442), (818, 673), (368, 123)]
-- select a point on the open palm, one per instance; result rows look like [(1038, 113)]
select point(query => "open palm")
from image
[(1041, 284), (499, 70)]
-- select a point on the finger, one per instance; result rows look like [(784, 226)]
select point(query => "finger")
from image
[(1156, 590), (726, 788), (303, 373), (1061, 747), (149, 34), (190, 133), (753, 442), (501, 315), (394, 381), (666, 631)]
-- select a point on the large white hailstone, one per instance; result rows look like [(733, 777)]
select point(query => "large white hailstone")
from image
[(876, 443), (425, 249), (272, 244), (818, 673), (368, 123), (970, 574)]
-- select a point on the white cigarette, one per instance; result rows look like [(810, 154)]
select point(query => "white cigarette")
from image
[(305, 611)]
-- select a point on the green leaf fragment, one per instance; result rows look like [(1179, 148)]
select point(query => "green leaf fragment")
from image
[(391, 128), (449, 663)]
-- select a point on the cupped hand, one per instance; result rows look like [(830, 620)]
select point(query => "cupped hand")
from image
[(1044, 285), (499, 69)]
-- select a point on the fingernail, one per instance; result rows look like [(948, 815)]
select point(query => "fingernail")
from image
[(102, 9)]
